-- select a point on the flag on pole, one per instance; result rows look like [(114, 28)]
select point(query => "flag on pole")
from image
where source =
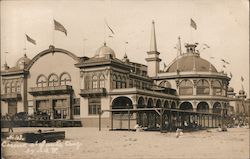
[(110, 28), (242, 79), (193, 24), (29, 39), (206, 45), (60, 27)]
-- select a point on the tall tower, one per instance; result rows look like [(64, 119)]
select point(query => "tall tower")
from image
[(153, 59)]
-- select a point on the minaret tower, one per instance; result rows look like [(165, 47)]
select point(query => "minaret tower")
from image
[(153, 59)]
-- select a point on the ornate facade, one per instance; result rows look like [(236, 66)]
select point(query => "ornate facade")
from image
[(65, 86)]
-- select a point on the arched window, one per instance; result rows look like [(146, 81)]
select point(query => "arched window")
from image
[(18, 87), (65, 79), (203, 87), (186, 88), (94, 82), (13, 87), (119, 82), (53, 80), (114, 81), (41, 81), (88, 83), (165, 84), (102, 81), (7, 88), (217, 88), (124, 82)]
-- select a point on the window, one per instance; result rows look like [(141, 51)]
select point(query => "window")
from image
[(217, 88), (13, 87), (41, 81), (88, 83), (119, 84), (18, 87), (76, 110), (7, 88), (203, 87), (186, 87), (102, 81), (114, 81), (53, 80), (94, 106), (94, 82), (65, 79), (124, 82)]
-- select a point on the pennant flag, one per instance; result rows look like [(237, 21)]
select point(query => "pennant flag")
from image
[(109, 28), (29, 39), (242, 79), (206, 45), (223, 60), (60, 27), (193, 24)]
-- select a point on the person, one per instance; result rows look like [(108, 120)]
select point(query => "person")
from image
[(11, 122), (178, 132)]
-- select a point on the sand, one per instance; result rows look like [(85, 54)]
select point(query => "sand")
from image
[(89, 143)]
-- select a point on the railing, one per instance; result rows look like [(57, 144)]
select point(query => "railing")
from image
[(50, 89), (9, 96), (96, 91)]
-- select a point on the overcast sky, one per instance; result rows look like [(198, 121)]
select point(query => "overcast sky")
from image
[(222, 24)]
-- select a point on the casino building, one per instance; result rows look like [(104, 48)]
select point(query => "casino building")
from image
[(118, 91)]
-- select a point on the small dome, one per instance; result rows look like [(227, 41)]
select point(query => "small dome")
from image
[(230, 89), (241, 92), (187, 61), (105, 50), (23, 61)]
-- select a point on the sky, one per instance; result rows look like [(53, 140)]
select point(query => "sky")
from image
[(221, 24)]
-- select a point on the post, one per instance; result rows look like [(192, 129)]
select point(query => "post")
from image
[(100, 120), (128, 118), (111, 120), (161, 120)]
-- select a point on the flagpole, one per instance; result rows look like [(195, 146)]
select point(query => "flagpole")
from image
[(104, 27), (25, 44), (53, 32)]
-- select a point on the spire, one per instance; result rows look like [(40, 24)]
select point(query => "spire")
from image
[(153, 46)]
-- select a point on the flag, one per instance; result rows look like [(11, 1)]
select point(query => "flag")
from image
[(29, 39), (193, 24), (109, 28), (223, 60), (206, 45), (242, 79), (60, 27)]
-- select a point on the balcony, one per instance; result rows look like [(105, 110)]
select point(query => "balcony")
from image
[(93, 92), (11, 96), (50, 90)]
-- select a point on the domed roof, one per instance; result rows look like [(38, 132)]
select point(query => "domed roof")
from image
[(187, 62), (23, 61), (105, 50)]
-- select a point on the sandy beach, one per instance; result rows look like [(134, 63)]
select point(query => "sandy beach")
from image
[(90, 143)]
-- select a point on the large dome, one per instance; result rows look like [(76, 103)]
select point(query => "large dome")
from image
[(187, 62), (23, 61), (105, 50)]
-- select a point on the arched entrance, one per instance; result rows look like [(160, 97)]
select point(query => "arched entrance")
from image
[(185, 117), (122, 103), (141, 116), (203, 107)]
